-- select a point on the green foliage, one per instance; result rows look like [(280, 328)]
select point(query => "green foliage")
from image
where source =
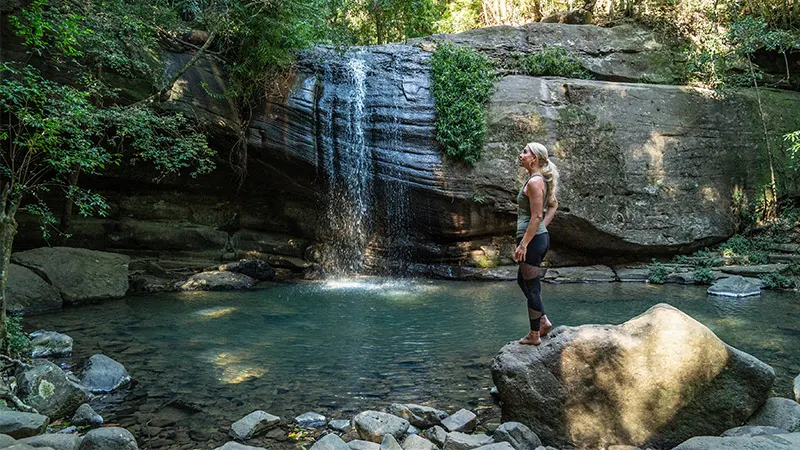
[(658, 272), (463, 80), (794, 149), (18, 343), (553, 61), (743, 250), (775, 280), (703, 275)]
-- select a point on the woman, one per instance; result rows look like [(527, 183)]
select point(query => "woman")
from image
[(536, 206)]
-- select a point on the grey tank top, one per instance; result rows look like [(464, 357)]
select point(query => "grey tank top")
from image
[(524, 210)]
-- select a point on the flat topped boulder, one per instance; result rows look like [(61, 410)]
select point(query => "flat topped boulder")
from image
[(736, 286), (656, 380), (80, 275)]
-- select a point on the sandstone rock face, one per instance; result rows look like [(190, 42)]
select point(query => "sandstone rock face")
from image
[(80, 275), (28, 293), (655, 380)]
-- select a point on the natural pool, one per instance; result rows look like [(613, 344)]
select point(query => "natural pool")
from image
[(342, 347)]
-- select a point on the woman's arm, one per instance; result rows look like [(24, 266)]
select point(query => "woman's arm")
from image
[(534, 190), (551, 212)]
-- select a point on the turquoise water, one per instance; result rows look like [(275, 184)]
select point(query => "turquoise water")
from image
[(339, 348)]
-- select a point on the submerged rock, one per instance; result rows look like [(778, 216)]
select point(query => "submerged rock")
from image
[(373, 425), (20, 425), (771, 442), (102, 374), (50, 344), (80, 275), (596, 385), (46, 387), (778, 412), (217, 280), (736, 286), (109, 438), (254, 424)]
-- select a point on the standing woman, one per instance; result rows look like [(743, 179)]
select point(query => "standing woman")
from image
[(536, 206)]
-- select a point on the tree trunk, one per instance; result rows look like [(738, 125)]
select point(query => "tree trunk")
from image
[(771, 206), (66, 212), (8, 228)]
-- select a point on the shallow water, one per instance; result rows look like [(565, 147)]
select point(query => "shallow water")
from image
[(342, 347)]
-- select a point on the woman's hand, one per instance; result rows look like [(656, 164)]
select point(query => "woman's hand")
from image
[(519, 253)]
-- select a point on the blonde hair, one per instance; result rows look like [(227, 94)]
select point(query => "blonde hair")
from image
[(549, 170)]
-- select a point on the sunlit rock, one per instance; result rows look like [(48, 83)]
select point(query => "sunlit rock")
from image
[(655, 380), (416, 442), (253, 425), (736, 286), (463, 420), (778, 412), (109, 438), (102, 374), (457, 440), (772, 442), (373, 425), (46, 387), (418, 415), (50, 344), (518, 435)]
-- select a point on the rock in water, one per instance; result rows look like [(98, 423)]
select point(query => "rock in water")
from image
[(80, 275), (102, 374), (736, 286), (46, 387), (778, 412), (656, 380), (109, 438)]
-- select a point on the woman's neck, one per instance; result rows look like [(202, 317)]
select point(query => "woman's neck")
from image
[(534, 170)]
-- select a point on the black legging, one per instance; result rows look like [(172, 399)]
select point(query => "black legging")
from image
[(529, 277)]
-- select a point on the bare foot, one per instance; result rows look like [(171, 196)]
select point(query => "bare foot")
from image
[(531, 338), (544, 326)]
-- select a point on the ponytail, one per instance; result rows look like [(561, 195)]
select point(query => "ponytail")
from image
[(549, 170)]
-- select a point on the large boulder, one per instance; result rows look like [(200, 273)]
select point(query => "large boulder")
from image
[(102, 374), (46, 387), (655, 380), (80, 275), (28, 293), (20, 425)]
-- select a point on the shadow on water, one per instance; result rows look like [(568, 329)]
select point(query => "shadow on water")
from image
[(346, 346)]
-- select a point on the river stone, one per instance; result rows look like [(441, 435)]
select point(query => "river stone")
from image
[(789, 441), (253, 425), (86, 416), (217, 280), (6, 440), (46, 387), (50, 344), (310, 420), (80, 275), (797, 389), (463, 420), (632, 274), (358, 444), (237, 446), (108, 438), (702, 385), (330, 442), (457, 440), (253, 268), (736, 286), (54, 441), (390, 443), (21, 425), (518, 435), (437, 435), (418, 415), (28, 293), (586, 274), (341, 425), (752, 430), (373, 425), (778, 412), (102, 374), (497, 446), (416, 442)]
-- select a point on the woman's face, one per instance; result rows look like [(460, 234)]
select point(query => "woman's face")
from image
[(527, 159)]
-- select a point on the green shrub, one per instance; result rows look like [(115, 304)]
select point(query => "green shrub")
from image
[(703, 275), (742, 250), (18, 342), (658, 272), (553, 61), (463, 80), (775, 280)]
